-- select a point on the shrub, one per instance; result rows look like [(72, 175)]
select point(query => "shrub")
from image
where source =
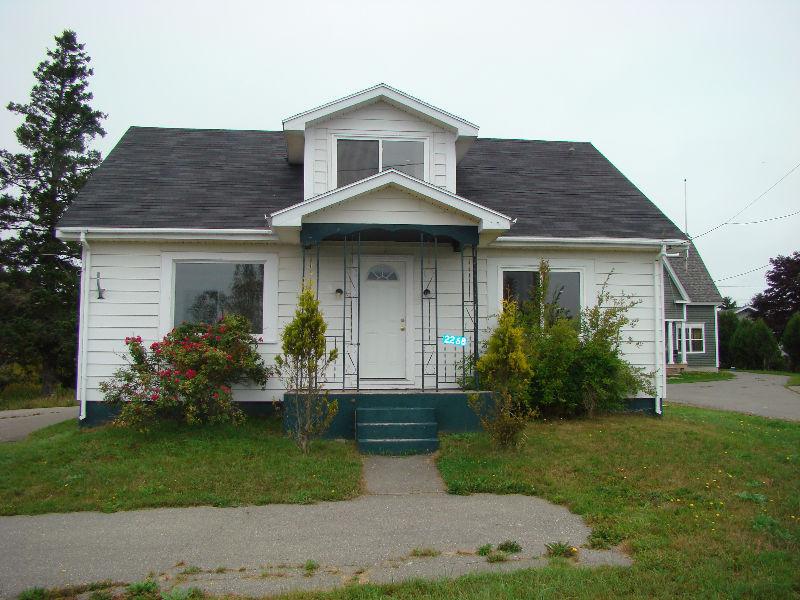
[(188, 375), (485, 550), (504, 369), (727, 323), (302, 367), (754, 347), (15, 373), (791, 341), (577, 364)]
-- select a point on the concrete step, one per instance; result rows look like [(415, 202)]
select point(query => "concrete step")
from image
[(395, 415), (398, 446), (393, 431)]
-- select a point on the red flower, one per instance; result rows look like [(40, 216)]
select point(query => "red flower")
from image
[(215, 395), (153, 396), (190, 373)]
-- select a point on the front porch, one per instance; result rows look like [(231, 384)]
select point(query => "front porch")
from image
[(399, 421)]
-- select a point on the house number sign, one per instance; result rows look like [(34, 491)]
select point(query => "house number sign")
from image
[(456, 340)]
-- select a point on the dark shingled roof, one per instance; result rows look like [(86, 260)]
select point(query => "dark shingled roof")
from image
[(210, 178), (694, 275), (201, 178)]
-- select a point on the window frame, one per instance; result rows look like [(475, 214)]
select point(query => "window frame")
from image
[(687, 331), (380, 139), (581, 271), (269, 297)]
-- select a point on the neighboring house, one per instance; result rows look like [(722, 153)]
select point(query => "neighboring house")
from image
[(747, 312), (691, 301), (411, 227)]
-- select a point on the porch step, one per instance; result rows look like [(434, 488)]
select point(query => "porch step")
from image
[(401, 430)]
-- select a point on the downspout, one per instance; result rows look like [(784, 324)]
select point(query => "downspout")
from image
[(658, 308), (86, 255)]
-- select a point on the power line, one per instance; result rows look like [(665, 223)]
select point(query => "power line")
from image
[(761, 195), (740, 274), (797, 212)]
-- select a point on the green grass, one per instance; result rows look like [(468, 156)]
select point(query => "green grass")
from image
[(27, 395), (700, 376), (62, 468), (794, 380)]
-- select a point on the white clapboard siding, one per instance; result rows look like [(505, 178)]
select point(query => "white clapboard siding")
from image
[(378, 120)]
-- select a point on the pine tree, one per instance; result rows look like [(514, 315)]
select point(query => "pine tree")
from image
[(39, 273)]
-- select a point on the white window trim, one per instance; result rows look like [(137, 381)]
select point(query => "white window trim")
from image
[(687, 327), (388, 136), (270, 294)]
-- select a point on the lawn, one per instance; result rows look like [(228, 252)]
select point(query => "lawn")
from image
[(700, 376), (63, 468), (25, 395), (707, 503)]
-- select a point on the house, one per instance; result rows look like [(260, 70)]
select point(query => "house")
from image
[(747, 312), (691, 302), (411, 227)]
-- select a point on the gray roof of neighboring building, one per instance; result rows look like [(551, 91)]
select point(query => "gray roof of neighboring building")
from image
[(694, 275), (211, 178)]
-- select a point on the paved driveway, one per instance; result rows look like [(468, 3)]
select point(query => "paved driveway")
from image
[(17, 424), (750, 393), (261, 550)]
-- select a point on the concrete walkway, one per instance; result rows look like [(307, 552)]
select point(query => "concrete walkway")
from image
[(15, 425), (750, 393), (260, 550)]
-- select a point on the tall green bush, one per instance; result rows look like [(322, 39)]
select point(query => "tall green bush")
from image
[(791, 341), (504, 369), (727, 322), (754, 346), (302, 367)]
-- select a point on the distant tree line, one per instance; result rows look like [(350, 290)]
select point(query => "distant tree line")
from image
[(772, 339)]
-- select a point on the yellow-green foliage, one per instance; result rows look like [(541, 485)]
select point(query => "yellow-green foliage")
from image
[(505, 370), (302, 367)]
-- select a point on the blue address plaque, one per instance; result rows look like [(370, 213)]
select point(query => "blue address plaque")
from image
[(454, 340)]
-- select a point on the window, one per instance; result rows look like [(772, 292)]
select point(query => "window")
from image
[(359, 159), (205, 291), (564, 289), (382, 273), (695, 340)]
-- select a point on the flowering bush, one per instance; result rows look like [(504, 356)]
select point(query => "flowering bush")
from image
[(188, 375)]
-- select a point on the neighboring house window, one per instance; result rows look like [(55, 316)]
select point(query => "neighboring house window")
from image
[(564, 289), (205, 291), (695, 339), (359, 159)]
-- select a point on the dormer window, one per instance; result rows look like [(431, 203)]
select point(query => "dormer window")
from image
[(358, 159)]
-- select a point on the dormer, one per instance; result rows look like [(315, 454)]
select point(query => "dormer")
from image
[(375, 130)]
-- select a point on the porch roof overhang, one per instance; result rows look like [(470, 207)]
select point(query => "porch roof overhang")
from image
[(288, 222)]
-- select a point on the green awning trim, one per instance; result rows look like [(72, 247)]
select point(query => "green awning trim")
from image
[(460, 235)]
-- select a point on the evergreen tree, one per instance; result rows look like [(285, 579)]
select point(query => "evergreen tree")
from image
[(791, 341), (39, 273), (727, 322)]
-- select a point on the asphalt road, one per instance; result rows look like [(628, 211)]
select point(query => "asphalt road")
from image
[(17, 424), (750, 393)]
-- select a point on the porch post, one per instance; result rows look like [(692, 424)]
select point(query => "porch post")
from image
[(670, 343), (422, 303), (475, 299), (683, 342)]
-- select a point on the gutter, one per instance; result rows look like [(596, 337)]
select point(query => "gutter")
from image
[(605, 242), (162, 233)]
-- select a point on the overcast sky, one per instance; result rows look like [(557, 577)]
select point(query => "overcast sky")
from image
[(707, 91)]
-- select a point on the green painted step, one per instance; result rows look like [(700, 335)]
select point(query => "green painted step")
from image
[(392, 431), (395, 415), (398, 446)]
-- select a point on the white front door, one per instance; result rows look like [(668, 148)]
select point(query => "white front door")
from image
[(383, 319)]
